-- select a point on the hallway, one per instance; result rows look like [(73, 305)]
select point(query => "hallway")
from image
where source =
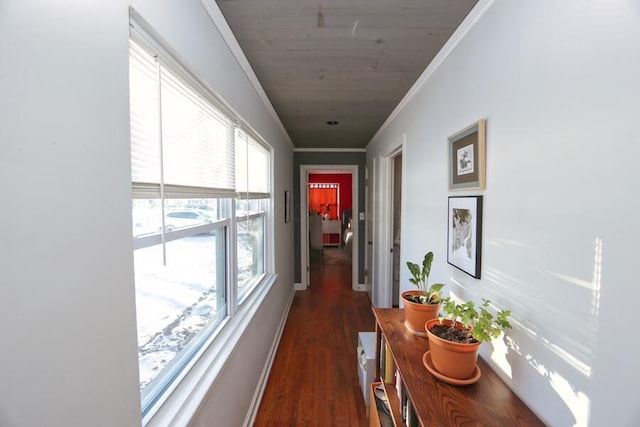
[(314, 379)]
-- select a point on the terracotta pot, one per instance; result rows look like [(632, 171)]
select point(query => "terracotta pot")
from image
[(416, 315), (453, 360)]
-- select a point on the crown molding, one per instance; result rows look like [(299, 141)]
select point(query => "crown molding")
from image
[(215, 14), (458, 35)]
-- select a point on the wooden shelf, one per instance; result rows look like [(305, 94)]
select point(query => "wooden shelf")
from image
[(394, 402), (488, 402), (331, 232)]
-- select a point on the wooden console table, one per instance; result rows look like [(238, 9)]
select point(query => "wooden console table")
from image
[(489, 402)]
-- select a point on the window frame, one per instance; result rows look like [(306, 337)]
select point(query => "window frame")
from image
[(176, 400), (255, 281)]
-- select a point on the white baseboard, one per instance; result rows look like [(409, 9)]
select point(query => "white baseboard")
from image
[(252, 413), (299, 287)]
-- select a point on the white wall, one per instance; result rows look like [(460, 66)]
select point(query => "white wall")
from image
[(558, 84), (68, 333), (67, 308)]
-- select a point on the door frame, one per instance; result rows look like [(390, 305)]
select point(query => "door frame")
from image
[(305, 170), (370, 221), (383, 288)]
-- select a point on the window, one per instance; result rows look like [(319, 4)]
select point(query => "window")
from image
[(180, 287), (252, 205), (251, 244), (200, 211)]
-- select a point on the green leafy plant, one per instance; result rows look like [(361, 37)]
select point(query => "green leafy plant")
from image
[(420, 278), (479, 324)]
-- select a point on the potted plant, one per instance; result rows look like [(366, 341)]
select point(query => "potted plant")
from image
[(423, 303), (454, 341)]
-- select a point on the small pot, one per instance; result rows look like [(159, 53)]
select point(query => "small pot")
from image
[(451, 359), (415, 315)]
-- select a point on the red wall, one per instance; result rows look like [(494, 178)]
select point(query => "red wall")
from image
[(346, 192)]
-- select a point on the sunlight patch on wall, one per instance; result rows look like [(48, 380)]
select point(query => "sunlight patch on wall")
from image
[(594, 287), (556, 319), (576, 281), (499, 355), (577, 401), (576, 363)]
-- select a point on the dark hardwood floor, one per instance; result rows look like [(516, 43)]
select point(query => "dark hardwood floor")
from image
[(314, 378)]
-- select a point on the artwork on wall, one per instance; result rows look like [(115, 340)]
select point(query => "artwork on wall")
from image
[(464, 238), (287, 206), (467, 158)]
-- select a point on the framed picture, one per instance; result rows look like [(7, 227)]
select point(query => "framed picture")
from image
[(287, 206), (467, 158), (464, 237)]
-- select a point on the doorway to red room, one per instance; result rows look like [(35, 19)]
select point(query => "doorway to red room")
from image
[(329, 200)]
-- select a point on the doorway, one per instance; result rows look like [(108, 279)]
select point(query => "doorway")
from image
[(396, 227), (336, 225), (370, 220), (388, 209)]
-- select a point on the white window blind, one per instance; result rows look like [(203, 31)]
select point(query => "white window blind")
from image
[(252, 167), (145, 119), (179, 140)]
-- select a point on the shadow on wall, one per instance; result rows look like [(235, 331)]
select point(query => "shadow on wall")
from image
[(555, 320)]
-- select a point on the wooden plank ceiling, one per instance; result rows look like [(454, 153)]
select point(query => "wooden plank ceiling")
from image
[(351, 61)]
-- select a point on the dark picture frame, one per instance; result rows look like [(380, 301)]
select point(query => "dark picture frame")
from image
[(464, 234), (467, 157), (287, 206)]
